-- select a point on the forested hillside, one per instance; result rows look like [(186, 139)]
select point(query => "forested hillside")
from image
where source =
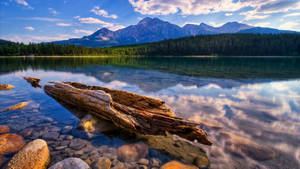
[(220, 45)]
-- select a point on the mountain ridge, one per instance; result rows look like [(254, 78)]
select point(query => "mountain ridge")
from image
[(153, 30)]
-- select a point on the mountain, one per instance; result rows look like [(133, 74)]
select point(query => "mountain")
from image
[(5, 42), (261, 30), (154, 29)]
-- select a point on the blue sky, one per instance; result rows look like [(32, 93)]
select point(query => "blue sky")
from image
[(49, 20)]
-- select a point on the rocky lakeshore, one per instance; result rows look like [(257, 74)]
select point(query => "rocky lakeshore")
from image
[(31, 139)]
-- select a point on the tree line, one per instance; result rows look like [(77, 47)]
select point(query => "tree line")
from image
[(220, 45)]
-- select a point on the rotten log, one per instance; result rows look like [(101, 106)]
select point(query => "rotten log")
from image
[(33, 81), (132, 112)]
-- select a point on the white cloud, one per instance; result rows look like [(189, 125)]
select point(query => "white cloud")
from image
[(292, 14), (38, 39), (96, 10), (116, 27), (91, 20), (262, 24), (29, 28), (289, 25), (228, 14), (52, 11), (22, 2), (196, 7), (253, 15), (79, 31), (63, 24), (41, 19)]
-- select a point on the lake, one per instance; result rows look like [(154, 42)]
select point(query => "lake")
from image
[(249, 107)]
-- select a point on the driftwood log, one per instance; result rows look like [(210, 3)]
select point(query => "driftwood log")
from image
[(132, 112)]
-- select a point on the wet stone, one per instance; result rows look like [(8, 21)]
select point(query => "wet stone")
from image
[(66, 129), (119, 165), (65, 143), (60, 148), (155, 162), (26, 132), (132, 152), (143, 161), (51, 135), (70, 163), (4, 129), (101, 163), (10, 143), (78, 144)]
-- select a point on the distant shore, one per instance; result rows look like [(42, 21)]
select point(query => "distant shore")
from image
[(104, 56)]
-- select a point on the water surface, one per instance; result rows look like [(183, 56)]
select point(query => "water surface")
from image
[(250, 107)]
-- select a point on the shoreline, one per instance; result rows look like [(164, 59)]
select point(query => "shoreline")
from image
[(193, 56)]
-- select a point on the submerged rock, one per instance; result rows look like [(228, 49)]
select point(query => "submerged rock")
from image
[(78, 144), (101, 163), (178, 147), (6, 86), (4, 129), (16, 107), (35, 155), (177, 165), (91, 124), (132, 152), (71, 163), (10, 143)]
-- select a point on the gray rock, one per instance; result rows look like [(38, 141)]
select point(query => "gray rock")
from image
[(78, 144), (66, 129), (155, 162), (50, 135), (71, 163), (143, 161)]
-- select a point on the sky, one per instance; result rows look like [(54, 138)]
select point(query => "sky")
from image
[(50, 20)]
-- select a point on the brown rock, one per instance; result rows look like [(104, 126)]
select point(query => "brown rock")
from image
[(26, 133), (102, 163), (16, 107), (35, 155), (33, 81), (10, 143), (132, 152), (4, 129), (6, 86), (177, 165)]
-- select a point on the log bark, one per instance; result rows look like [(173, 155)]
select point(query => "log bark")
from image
[(132, 112)]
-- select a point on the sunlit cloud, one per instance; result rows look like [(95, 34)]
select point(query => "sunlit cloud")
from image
[(289, 25), (38, 39), (40, 19), (79, 31), (22, 2), (292, 14), (52, 11), (63, 24), (91, 20), (29, 28), (262, 24), (196, 7), (96, 10)]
